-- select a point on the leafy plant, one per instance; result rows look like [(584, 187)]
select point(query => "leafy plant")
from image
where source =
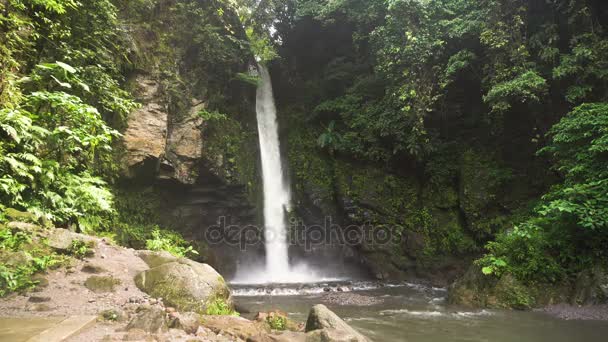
[(170, 242), (219, 307), (81, 249), (276, 322)]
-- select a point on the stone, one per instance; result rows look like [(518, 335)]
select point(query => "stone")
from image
[(184, 284), (23, 226), (101, 284), (188, 322), (61, 239), (287, 336), (40, 281), (135, 335), (155, 259), (39, 307), (16, 258), (236, 327), (150, 319), (591, 287), (321, 318), (36, 299), (21, 216), (92, 269), (331, 335)]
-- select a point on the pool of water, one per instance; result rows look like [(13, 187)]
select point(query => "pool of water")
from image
[(411, 312)]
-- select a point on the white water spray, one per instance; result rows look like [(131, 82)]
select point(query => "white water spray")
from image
[(276, 192)]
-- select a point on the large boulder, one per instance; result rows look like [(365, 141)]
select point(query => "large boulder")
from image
[(61, 239), (591, 287), (331, 335), (184, 284), (324, 325), (155, 259)]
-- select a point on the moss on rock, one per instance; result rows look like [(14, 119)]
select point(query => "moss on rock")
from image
[(101, 284)]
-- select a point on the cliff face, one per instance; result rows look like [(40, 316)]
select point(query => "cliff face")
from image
[(195, 134), (158, 145), (169, 135)]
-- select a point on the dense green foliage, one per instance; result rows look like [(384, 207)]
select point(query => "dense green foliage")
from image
[(470, 126), (64, 99), (20, 258), (459, 94), (60, 95)]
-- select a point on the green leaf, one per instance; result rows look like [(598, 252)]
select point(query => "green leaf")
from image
[(66, 67)]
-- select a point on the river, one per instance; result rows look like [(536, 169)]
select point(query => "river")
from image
[(416, 313)]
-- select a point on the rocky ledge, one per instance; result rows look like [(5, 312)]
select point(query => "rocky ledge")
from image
[(155, 296)]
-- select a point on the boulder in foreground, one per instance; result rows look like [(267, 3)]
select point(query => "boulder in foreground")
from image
[(184, 284), (324, 325)]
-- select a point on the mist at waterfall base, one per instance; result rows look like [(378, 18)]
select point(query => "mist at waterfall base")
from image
[(276, 201)]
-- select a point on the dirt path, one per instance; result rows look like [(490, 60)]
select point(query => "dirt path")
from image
[(66, 294)]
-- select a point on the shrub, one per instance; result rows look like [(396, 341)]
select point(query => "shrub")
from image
[(219, 307)]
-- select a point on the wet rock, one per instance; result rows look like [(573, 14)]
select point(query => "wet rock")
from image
[(333, 327), (150, 319), (475, 290), (155, 259), (184, 284), (101, 284), (591, 287)]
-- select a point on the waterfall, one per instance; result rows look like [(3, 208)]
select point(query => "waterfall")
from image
[(276, 191), (276, 201)]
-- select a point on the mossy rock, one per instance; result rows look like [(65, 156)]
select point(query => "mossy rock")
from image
[(185, 285), (155, 259), (481, 181), (21, 216), (476, 290), (101, 284)]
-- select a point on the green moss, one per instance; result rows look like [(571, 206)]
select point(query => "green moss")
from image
[(231, 150), (481, 180), (101, 284), (21, 216), (513, 294)]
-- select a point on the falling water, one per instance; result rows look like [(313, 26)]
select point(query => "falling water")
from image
[(276, 201), (276, 191)]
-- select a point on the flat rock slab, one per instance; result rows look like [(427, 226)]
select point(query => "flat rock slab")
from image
[(38, 329)]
